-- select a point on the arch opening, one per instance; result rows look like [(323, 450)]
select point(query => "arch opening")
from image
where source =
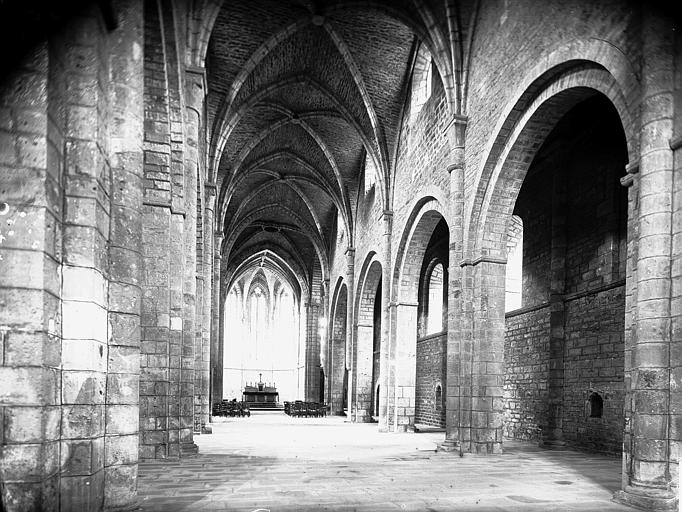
[(431, 360), (368, 340), (568, 334), (420, 360), (338, 379)]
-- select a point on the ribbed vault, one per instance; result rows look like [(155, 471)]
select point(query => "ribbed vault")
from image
[(300, 95)]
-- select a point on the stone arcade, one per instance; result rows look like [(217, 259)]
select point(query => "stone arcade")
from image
[(475, 207)]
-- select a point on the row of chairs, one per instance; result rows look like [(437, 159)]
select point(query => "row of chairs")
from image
[(307, 409), (231, 408)]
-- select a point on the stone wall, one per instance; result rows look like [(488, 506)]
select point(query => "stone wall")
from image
[(526, 357), (594, 363), (71, 124), (431, 372)]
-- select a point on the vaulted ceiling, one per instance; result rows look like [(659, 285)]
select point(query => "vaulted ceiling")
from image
[(300, 94)]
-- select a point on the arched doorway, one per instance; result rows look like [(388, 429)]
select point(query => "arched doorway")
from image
[(409, 271)]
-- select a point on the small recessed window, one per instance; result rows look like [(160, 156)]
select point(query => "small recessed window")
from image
[(439, 397), (596, 405)]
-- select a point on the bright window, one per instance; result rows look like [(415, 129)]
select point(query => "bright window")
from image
[(434, 319), (514, 280)]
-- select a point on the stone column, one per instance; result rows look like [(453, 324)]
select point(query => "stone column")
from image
[(312, 354), (390, 398), (456, 319), (324, 341), (385, 352), (163, 409), (125, 260), (350, 362), (217, 346), (30, 291), (652, 436), (205, 368), (85, 266), (192, 289), (486, 414)]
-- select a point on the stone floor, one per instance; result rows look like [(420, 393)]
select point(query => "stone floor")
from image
[(273, 463)]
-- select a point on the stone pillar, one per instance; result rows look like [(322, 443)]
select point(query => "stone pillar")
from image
[(390, 399), (217, 346), (192, 289), (125, 260), (324, 341), (30, 291), (455, 317), (350, 362), (181, 396), (552, 432), (312, 354), (385, 352), (164, 411), (652, 435), (85, 265), (487, 362), (205, 368)]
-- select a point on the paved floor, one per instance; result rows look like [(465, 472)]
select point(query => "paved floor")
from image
[(274, 463)]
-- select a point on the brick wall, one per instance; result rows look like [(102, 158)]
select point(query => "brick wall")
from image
[(526, 357), (594, 363), (431, 372)]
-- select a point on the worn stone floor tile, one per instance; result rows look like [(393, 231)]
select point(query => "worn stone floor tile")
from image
[(273, 463)]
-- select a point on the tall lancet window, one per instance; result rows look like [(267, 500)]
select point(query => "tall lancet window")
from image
[(259, 318)]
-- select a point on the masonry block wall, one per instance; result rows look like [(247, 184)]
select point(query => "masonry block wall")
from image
[(431, 373), (71, 157)]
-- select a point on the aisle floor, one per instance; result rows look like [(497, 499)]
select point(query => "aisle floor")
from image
[(273, 463)]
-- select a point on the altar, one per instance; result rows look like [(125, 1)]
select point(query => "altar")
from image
[(261, 395)]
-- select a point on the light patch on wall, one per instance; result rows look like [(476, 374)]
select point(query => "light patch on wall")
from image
[(176, 323)]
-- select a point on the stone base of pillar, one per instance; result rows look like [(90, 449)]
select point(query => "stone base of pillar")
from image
[(363, 418), (647, 498), (188, 450), (449, 445)]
